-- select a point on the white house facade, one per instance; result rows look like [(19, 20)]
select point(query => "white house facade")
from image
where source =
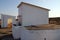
[(6, 19), (32, 15)]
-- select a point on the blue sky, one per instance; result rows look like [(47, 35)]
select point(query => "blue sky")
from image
[(10, 6)]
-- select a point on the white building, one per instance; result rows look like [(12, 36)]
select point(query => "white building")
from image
[(6, 20), (32, 15)]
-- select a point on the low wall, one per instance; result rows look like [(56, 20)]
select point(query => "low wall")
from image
[(40, 34), (16, 31), (21, 32)]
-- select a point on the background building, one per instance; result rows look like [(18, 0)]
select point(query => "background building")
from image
[(7, 20), (55, 20)]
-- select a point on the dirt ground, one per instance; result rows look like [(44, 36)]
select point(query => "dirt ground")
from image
[(6, 34)]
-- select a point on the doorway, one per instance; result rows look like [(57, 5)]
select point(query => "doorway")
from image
[(9, 23)]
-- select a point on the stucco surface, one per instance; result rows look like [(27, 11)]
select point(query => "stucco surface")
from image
[(32, 15), (5, 18)]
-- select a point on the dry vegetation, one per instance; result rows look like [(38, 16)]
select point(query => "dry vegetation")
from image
[(5, 31), (43, 27)]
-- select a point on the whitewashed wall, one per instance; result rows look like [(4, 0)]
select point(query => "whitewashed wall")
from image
[(16, 31), (32, 35), (20, 10), (32, 15), (40, 34), (5, 18), (24, 34), (53, 34)]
